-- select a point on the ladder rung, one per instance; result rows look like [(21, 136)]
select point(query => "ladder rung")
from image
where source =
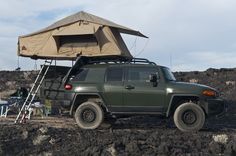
[(34, 94), (48, 61), (34, 89)]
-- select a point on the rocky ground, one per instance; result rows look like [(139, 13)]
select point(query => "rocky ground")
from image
[(129, 136), (139, 136)]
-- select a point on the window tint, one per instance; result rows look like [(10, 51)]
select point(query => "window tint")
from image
[(81, 74), (168, 74), (141, 74), (114, 74), (95, 75)]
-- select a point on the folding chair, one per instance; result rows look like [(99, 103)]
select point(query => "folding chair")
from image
[(4, 108)]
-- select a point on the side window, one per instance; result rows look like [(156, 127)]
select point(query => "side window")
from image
[(81, 74), (114, 74), (95, 75), (141, 74)]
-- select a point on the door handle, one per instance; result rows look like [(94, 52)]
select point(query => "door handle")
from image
[(129, 87)]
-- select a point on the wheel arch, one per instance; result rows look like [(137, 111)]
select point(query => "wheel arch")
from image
[(177, 100), (79, 98)]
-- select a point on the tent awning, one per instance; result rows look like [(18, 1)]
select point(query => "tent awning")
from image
[(83, 16), (79, 34)]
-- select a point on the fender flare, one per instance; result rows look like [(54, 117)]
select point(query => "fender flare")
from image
[(86, 94), (178, 95)]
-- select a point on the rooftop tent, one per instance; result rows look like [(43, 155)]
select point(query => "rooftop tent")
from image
[(81, 34)]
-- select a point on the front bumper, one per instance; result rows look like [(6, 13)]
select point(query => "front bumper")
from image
[(217, 107)]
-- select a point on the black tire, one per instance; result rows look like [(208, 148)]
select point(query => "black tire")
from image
[(89, 115), (189, 117)]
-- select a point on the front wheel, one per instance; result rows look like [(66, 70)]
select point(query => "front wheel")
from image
[(189, 117), (89, 115)]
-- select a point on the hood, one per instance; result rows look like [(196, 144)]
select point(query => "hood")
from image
[(194, 85), (188, 88)]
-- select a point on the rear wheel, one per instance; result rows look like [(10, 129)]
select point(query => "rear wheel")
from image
[(89, 115), (189, 117)]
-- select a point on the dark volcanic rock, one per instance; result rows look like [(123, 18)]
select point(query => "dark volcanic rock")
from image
[(11, 80), (130, 136), (223, 80), (158, 141)]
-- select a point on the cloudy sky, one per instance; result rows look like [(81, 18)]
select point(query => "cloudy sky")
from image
[(184, 35)]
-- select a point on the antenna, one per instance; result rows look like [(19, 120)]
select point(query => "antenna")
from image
[(170, 60), (135, 45)]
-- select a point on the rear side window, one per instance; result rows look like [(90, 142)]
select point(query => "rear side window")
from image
[(95, 75), (81, 74), (90, 75), (114, 74)]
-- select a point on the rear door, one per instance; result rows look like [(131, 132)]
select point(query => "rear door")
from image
[(139, 93)]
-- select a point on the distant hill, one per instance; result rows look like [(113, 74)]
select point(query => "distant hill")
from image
[(223, 80), (11, 80)]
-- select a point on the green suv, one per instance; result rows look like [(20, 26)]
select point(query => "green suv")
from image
[(98, 89)]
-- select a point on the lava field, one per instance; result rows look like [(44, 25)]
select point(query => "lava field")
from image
[(140, 135)]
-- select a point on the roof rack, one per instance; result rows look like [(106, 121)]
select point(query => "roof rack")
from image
[(141, 60), (119, 60)]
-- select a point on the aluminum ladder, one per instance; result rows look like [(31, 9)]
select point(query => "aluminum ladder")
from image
[(24, 111)]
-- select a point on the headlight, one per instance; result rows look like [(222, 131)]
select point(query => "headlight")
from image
[(209, 93)]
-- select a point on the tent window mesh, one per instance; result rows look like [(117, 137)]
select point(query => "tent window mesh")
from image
[(78, 40)]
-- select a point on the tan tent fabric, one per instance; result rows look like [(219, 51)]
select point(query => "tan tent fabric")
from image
[(78, 28), (79, 34)]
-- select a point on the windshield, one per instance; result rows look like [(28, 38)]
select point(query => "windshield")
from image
[(168, 74)]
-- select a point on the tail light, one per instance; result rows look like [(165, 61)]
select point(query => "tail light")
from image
[(68, 87)]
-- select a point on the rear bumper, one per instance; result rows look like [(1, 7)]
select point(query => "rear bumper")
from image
[(217, 107)]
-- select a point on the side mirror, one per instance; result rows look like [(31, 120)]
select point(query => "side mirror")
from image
[(153, 78)]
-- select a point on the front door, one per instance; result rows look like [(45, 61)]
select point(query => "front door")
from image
[(140, 95)]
